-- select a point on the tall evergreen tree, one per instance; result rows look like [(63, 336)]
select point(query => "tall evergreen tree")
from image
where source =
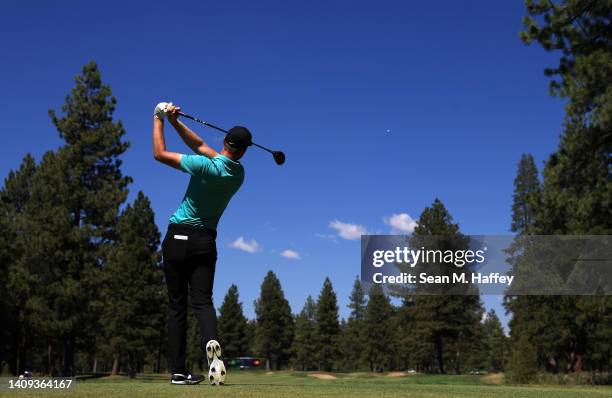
[(133, 290), (577, 185), (378, 330), (327, 328), (477, 354), (443, 320), (495, 342), (76, 194), (357, 301), (251, 332), (54, 297), (522, 363), (526, 205), (303, 340), (412, 350), (595, 321), (527, 196), (580, 32), (233, 325), (352, 338), (274, 323), (15, 285), (343, 362)]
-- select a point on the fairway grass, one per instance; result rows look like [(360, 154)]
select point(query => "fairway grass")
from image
[(300, 384)]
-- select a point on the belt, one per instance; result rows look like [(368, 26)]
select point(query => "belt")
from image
[(192, 229)]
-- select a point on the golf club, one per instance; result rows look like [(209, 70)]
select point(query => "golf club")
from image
[(279, 157)]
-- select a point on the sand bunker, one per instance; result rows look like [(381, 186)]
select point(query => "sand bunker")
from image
[(493, 378), (396, 374), (322, 376)]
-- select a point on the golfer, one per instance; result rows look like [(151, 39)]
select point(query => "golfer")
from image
[(189, 248)]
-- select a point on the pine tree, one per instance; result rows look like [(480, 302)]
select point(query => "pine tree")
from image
[(274, 323), (595, 321), (378, 330), (413, 351), (47, 227), (580, 32), (304, 336), (15, 284), (357, 301), (133, 291), (477, 354), (233, 325), (75, 198), (527, 310), (495, 342), (577, 184), (327, 328), (576, 178), (442, 320), (343, 362), (251, 332), (522, 364), (527, 196), (352, 337)]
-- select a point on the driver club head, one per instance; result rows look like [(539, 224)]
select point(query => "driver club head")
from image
[(279, 157)]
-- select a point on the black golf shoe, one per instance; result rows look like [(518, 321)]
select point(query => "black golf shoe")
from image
[(186, 378)]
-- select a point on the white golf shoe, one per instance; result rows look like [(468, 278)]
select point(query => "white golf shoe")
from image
[(216, 372)]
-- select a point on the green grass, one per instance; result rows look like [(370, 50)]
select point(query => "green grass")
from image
[(298, 385)]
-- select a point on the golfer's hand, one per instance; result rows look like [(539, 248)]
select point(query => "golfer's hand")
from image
[(172, 111), (160, 110)]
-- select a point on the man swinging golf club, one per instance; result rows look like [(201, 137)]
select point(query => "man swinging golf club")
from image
[(189, 248)]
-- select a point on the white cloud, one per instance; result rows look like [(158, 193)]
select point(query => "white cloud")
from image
[(246, 246), (400, 223), (348, 231), (291, 254)]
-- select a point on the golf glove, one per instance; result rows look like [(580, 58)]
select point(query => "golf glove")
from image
[(160, 110)]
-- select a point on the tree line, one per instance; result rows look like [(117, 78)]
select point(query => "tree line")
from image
[(377, 335), (82, 287)]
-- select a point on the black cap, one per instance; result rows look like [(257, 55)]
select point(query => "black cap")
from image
[(239, 136)]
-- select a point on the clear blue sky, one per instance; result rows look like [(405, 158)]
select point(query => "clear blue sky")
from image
[(461, 96)]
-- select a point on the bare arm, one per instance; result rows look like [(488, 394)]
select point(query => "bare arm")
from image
[(188, 136), (160, 153)]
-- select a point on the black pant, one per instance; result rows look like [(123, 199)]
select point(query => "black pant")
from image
[(190, 255)]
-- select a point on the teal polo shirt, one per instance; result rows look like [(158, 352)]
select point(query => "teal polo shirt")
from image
[(212, 184)]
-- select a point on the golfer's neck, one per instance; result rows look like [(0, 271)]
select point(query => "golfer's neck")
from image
[(228, 154)]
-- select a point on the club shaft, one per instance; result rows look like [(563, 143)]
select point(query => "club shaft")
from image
[(195, 119), (262, 147)]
